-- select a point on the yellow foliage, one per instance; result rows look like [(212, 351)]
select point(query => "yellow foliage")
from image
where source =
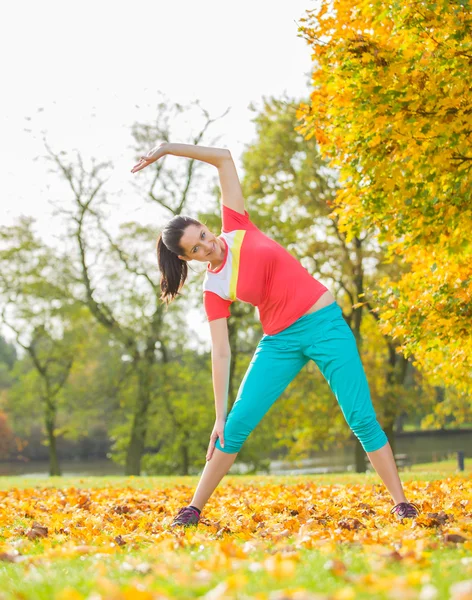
[(246, 528), (391, 110)]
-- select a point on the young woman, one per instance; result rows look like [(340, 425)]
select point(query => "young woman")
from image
[(300, 319)]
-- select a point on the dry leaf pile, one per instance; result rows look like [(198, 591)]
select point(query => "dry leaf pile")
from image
[(245, 529)]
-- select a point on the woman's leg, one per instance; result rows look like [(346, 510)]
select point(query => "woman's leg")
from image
[(273, 366), (215, 469), (335, 352), (383, 462)]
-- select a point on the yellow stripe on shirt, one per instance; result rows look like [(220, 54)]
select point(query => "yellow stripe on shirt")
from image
[(236, 253)]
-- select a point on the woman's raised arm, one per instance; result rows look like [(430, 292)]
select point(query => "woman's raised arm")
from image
[(212, 156), (231, 192)]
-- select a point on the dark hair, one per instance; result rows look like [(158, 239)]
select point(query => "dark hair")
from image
[(173, 269)]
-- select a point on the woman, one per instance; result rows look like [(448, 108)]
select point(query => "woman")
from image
[(300, 319)]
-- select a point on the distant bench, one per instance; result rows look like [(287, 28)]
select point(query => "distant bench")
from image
[(403, 461)]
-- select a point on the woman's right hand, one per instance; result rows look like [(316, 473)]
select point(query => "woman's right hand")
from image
[(153, 155), (218, 432)]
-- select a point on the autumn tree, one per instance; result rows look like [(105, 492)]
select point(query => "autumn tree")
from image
[(45, 319), (390, 109), (8, 357), (289, 189), (7, 438), (118, 272)]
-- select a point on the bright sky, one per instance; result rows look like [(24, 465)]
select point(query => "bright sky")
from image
[(84, 72)]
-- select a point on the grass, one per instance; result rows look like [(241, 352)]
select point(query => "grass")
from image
[(445, 466), (71, 579), (276, 560), (427, 471)]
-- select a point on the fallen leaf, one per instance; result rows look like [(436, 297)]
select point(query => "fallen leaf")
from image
[(335, 566), (12, 557), (454, 538), (37, 531), (350, 524)]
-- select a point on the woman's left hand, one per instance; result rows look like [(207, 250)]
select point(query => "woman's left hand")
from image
[(153, 155), (218, 432)]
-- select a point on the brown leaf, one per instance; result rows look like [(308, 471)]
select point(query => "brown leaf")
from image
[(336, 566), (84, 502), (122, 510), (37, 531), (366, 510), (350, 524), (440, 518), (12, 557), (120, 541), (258, 518), (455, 538), (64, 531), (394, 555)]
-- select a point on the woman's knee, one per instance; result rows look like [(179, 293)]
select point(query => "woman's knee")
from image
[(235, 434), (369, 433), (230, 447)]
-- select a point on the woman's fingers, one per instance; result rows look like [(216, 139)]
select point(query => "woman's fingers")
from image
[(144, 161), (211, 447), (140, 165), (149, 158)]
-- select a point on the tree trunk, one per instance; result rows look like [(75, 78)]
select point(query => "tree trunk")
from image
[(360, 456), (390, 433), (135, 449), (54, 469), (396, 374), (185, 460)]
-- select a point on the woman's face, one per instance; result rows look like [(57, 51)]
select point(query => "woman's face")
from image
[(200, 244)]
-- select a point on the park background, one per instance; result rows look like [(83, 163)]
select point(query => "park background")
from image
[(95, 376), (351, 130)]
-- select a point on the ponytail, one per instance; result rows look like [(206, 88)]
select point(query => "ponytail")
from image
[(173, 269)]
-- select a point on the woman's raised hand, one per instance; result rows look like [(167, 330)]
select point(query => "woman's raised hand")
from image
[(153, 155)]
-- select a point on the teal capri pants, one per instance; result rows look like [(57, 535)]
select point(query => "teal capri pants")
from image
[(326, 338)]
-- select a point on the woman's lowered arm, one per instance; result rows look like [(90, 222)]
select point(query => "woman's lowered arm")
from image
[(220, 362), (220, 369)]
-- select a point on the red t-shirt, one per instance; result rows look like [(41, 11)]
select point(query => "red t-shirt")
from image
[(258, 270)]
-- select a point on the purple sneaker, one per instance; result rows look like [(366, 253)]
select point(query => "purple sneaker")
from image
[(406, 510), (186, 516)]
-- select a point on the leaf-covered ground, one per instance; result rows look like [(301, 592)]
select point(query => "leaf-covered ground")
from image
[(266, 538)]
